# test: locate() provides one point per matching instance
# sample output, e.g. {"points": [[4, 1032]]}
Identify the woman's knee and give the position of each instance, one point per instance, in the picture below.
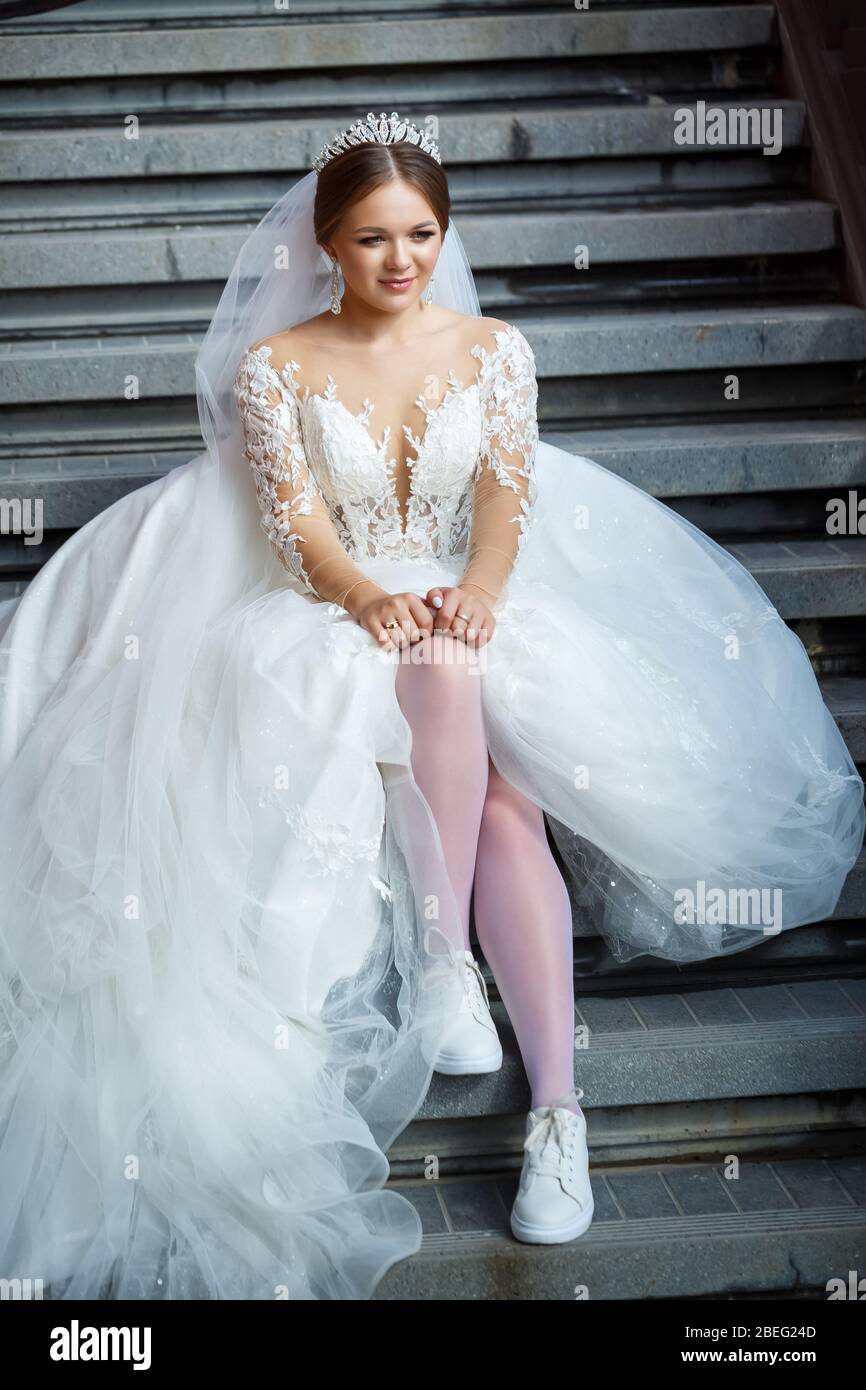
{"points": [[444, 667]]}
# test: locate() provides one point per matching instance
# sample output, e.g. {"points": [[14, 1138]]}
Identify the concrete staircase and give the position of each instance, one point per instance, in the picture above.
{"points": [[556, 132]]}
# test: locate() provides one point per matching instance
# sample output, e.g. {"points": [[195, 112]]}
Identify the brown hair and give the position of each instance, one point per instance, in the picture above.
{"points": [[349, 177]]}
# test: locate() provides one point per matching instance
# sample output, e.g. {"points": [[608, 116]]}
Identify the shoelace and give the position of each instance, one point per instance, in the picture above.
{"points": [[450, 953], [473, 973], [552, 1126]]}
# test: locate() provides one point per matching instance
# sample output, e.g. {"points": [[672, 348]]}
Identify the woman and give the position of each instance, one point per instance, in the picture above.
{"points": [[248, 790]]}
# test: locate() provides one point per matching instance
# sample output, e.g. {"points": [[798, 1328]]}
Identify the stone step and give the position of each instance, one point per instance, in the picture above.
{"points": [[402, 86], [674, 1084], [719, 339], [659, 1231], [160, 255], [815, 579], [480, 136], [834, 949], [97, 101], [67, 312], [414, 41], [717, 459], [505, 185], [668, 462], [846, 699], [88, 15], [804, 1037]]}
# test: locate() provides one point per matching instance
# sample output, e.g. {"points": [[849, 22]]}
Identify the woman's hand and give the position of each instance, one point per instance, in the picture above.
{"points": [[477, 624], [407, 613]]}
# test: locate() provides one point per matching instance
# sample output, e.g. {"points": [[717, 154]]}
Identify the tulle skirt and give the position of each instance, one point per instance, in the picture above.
{"points": [[228, 955]]}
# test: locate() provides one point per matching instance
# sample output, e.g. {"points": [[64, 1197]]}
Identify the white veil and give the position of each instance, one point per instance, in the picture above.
{"points": [[142, 1095]]}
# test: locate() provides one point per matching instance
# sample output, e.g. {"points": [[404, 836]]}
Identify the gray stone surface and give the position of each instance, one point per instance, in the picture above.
{"points": [[719, 458], [625, 1254], [637, 1057], [728, 340], [809, 578], [93, 14], [584, 132], [467, 39], [158, 255], [246, 193]]}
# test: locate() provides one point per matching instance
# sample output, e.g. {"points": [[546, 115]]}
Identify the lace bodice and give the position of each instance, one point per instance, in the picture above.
{"points": [[326, 487]]}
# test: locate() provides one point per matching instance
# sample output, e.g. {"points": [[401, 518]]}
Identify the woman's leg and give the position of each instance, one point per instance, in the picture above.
{"points": [[524, 927], [441, 700]]}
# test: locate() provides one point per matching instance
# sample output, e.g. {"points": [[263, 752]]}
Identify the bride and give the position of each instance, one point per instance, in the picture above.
{"points": [[249, 789]]}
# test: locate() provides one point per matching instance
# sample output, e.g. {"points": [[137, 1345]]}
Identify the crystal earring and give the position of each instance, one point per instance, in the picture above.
{"points": [[336, 306], [428, 297]]}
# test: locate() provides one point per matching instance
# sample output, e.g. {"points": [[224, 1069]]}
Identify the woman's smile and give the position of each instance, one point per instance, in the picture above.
{"points": [[398, 284]]}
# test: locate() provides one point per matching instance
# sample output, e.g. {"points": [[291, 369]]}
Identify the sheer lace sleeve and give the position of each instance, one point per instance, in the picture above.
{"points": [[504, 488], [295, 517]]}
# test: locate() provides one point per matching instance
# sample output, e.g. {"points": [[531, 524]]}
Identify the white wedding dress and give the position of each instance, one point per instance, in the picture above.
{"points": [[222, 979]]}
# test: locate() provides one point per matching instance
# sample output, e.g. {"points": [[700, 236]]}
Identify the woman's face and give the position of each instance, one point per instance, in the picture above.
{"points": [[387, 245]]}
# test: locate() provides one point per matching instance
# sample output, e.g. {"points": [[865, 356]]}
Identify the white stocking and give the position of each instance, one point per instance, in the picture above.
{"points": [[524, 927]]}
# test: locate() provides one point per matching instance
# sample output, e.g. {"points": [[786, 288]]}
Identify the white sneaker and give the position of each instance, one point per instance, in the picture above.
{"points": [[554, 1201], [471, 1044]]}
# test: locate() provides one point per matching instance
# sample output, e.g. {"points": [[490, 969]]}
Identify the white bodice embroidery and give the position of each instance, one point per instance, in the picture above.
{"points": [[332, 464]]}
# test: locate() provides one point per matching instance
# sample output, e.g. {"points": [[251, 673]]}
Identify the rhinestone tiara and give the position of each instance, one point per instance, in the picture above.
{"points": [[386, 130]]}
